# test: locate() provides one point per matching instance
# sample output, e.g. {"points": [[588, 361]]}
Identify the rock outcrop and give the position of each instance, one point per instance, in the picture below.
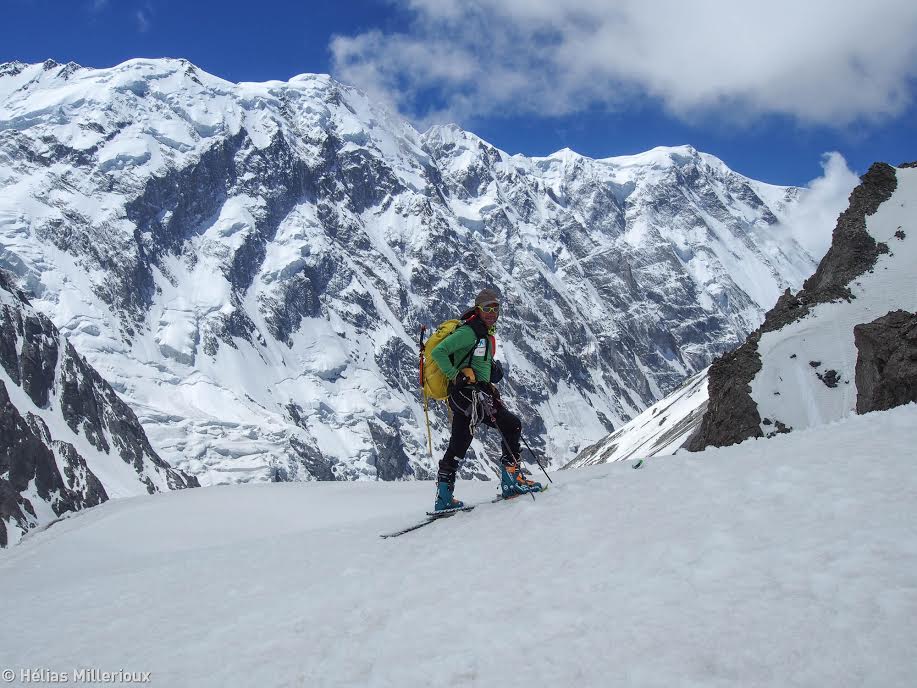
{"points": [[886, 369]]}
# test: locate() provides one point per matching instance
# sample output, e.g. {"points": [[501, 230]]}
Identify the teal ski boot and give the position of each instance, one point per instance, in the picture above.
{"points": [[513, 482], [444, 499]]}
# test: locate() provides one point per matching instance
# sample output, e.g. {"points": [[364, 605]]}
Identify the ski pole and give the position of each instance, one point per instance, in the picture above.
{"points": [[536, 459], [423, 390]]}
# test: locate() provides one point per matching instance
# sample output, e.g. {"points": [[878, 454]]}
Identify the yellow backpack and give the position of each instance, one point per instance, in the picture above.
{"points": [[433, 381]]}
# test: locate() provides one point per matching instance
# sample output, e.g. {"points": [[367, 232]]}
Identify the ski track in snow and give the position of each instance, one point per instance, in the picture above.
{"points": [[782, 562]]}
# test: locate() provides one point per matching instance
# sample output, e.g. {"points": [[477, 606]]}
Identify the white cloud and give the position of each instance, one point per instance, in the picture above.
{"points": [[143, 21], [813, 219], [820, 61]]}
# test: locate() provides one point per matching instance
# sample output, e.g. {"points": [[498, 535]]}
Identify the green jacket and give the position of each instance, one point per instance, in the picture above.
{"points": [[454, 349]]}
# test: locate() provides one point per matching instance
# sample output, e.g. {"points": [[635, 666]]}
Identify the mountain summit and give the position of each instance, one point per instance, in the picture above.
{"points": [[249, 264]]}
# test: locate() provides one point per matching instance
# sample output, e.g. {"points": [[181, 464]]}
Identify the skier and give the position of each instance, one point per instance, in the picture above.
{"points": [[474, 399]]}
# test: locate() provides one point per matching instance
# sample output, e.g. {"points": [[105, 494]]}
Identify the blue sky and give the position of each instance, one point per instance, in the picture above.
{"points": [[768, 89]]}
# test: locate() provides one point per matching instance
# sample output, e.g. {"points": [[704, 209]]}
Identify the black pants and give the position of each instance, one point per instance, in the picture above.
{"points": [[489, 411]]}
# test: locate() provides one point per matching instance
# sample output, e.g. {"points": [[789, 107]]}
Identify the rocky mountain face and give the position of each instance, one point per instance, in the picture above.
{"points": [[67, 441], [822, 353], [249, 264]]}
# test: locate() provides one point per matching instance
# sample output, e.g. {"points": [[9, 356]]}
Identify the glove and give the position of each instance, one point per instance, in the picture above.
{"points": [[465, 377], [496, 371]]}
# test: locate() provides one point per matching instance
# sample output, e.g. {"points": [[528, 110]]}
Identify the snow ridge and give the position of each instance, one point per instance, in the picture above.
{"points": [[808, 367]]}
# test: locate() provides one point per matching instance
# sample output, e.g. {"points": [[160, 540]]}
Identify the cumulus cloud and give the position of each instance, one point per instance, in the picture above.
{"points": [[813, 219], [819, 61]]}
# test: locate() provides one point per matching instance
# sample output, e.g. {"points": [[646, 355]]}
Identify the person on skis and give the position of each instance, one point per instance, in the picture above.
{"points": [[467, 359]]}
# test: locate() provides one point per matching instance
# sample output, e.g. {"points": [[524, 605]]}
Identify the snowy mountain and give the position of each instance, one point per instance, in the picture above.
{"points": [[67, 441], [249, 265], [846, 343], [789, 561]]}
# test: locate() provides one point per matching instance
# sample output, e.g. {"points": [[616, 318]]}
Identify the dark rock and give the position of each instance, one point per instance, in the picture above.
{"points": [[310, 458], [300, 298], [853, 250], [390, 460], [886, 368], [732, 415], [779, 429], [12, 68], [830, 378], [900, 235], [814, 364], [27, 458], [295, 412]]}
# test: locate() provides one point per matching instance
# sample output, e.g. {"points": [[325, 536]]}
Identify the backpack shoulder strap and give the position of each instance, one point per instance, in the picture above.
{"points": [[480, 331], [478, 326]]}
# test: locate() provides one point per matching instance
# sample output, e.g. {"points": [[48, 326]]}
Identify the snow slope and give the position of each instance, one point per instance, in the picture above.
{"points": [[661, 430], [784, 562]]}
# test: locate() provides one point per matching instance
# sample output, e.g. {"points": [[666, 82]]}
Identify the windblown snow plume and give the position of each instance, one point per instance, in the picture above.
{"points": [[811, 220]]}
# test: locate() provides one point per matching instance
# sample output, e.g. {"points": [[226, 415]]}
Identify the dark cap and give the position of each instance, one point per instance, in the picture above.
{"points": [[487, 296]]}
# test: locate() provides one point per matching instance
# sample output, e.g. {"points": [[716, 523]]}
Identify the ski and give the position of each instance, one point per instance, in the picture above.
{"points": [[502, 498], [638, 464], [449, 512], [432, 517]]}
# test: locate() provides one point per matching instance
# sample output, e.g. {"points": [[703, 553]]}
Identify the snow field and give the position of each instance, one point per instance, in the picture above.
{"points": [[782, 562]]}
